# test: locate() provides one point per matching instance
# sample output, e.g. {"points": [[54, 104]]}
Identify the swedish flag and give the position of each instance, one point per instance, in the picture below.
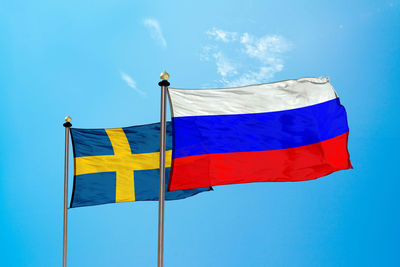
{"points": [[120, 165]]}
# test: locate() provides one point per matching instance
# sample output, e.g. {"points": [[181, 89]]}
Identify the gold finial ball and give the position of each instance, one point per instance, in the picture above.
{"points": [[68, 119], [164, 75]]}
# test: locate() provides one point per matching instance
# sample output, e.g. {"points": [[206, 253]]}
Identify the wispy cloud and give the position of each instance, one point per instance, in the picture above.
{"points": [[221, 35], [155, 31], [264, 48], [131, 83], [224, 66], [254, 77], [242, 58]]}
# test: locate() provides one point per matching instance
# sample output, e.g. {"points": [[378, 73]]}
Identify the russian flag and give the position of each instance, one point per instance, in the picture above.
{"points": [[293, 130]]}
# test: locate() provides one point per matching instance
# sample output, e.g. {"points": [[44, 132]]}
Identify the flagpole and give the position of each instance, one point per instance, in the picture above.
{"points": [[67, 126], [164, 85]]}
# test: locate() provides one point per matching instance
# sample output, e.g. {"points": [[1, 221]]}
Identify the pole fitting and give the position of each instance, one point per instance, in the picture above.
{"points": [[67, 122], [164, 76]]}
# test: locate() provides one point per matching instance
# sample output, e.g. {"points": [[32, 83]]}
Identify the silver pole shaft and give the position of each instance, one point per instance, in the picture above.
{"points": [[65, 195], [162, 178]]}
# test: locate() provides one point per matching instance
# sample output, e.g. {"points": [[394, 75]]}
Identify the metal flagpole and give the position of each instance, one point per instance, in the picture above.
{"points": [[67, 126], [164, 85]]}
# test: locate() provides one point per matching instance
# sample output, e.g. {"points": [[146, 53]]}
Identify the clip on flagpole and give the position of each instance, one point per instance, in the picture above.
{"points": [[164, 85], [67, 126]]}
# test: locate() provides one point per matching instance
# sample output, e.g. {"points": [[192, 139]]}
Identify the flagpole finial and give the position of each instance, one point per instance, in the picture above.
{"points": [[164, 75], [68, 120]]}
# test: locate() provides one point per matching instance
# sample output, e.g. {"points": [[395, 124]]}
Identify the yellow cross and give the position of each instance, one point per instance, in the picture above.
{"points": [[123, 162]]}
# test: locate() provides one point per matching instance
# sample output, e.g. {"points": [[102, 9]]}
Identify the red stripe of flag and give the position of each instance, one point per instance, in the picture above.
{"points": [[283, 165]]}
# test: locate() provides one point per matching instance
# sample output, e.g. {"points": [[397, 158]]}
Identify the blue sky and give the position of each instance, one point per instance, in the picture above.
{"points": [[99, 62]]}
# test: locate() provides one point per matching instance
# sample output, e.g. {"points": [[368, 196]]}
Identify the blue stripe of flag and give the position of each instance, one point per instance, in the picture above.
{"points": [[197, 135], [141, 139]]}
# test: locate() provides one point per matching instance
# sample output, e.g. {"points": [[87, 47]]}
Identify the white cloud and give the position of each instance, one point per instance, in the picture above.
{"points": [[221, 35], [264, 48], [224, 66], [245, 60], [131, 83], [155, 31], [205, 53], [254, 77]]}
